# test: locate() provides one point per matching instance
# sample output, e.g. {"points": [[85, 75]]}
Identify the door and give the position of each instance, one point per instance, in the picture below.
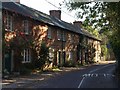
{"points": [[64, 55], [58, 58], [9, 60]]}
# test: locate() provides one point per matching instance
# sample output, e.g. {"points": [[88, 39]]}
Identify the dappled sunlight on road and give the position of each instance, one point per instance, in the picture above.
{"points": [[107, 62], [47, 74], [6, 82], [32, 79]]}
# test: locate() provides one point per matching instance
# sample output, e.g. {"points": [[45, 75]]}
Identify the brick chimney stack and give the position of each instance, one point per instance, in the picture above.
{"points": [[17, 1], [55, 13], [78, 24]]}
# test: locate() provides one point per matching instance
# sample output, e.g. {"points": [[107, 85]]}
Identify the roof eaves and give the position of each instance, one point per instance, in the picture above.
{"points": [[40, 16]]}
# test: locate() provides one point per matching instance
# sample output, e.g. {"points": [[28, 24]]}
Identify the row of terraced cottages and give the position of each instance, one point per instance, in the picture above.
{"points": [[66, 42]]}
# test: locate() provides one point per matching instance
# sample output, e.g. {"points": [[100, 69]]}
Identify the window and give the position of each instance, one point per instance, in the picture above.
{"points": [[9, 22], [49, 33], [70, 55], [27, 56], [58, 35], [51, 54], [25, 26], [64, 36], [71, 38]]}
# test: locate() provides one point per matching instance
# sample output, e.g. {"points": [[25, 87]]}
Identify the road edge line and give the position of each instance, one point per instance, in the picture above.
{"points": [[81, 82]]}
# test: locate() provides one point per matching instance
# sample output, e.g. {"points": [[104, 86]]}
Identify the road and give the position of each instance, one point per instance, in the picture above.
{"points": [[96, 76]]}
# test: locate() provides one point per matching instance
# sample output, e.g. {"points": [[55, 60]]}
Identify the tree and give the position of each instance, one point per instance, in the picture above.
{"points": [[43, 56], [104, 16], [92, 31]]}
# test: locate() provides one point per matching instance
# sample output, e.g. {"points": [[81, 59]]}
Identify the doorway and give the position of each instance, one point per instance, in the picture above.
{"points": [[9, 60]]}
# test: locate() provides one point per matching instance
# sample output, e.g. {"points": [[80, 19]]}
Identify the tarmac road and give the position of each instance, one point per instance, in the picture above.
{"points": [[97, 76]]}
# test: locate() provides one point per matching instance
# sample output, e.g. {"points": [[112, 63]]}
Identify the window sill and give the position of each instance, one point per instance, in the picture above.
{"points": [[49, 37], [9, 30], [26, 62], [26, 33], [64, 40]]}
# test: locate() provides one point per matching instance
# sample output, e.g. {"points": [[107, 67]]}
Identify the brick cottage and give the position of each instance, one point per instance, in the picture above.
{"points": [[66, 41]]}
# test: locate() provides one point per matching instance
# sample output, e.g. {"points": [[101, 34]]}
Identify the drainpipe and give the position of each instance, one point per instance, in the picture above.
{"points": [[1, 39], [62, 54]]}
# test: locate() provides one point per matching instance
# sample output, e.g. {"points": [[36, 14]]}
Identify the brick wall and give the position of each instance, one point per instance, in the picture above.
{"points": [[39, 30], [61, 50]]}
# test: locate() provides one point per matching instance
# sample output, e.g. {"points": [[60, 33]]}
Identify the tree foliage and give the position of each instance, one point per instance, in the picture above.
{"points": [[92, 31], [104, 16], [97, 14], [43, 56]]}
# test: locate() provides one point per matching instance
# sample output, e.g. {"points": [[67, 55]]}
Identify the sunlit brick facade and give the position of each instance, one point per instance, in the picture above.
{"points": [[63, 44]]}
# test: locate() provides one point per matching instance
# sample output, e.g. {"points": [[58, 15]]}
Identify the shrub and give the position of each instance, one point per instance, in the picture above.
{"points": [[43, 57], [69, 64], [78, 64]]}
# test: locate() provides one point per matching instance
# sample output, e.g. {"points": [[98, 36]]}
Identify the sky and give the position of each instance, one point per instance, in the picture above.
{"points": [[44, 6]]}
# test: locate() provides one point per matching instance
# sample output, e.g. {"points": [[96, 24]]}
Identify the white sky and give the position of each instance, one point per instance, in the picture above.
{"points": [[44, 6]]}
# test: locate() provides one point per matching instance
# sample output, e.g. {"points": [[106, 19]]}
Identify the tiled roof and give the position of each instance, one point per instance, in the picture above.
{"points": [[40, 16]]}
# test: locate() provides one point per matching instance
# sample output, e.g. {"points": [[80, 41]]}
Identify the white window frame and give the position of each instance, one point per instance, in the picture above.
{"points": [[58, 35], [71, 38], [51, 55], [26, 26], [26, 56], [9, 22], [70, 55], [49, 33]]}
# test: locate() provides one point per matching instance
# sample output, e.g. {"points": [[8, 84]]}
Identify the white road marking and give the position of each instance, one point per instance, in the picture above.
{"points": [[90, 73], [113, 75], [86, 75], [96, 75], [81, 82], [104, 75]]}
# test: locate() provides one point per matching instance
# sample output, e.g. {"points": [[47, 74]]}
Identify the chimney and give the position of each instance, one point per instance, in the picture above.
{"points": [[55, 13], [78, 24], [17, 1]]}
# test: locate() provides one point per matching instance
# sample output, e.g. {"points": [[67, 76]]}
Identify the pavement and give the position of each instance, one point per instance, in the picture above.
{"points": [[14, 81], [23, 81]]}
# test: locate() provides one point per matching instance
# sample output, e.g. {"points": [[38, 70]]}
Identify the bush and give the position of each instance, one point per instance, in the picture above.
{"points": [[69, 64], [78, 64], [92, 61], [43, 57]]}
